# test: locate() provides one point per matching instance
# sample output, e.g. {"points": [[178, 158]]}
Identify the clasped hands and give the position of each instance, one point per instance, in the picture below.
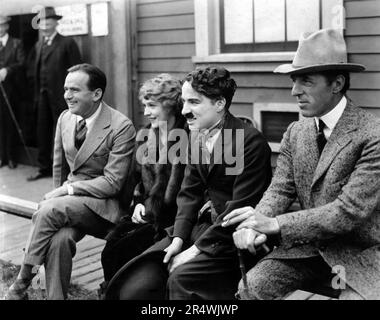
{"points": [[253, 228]]}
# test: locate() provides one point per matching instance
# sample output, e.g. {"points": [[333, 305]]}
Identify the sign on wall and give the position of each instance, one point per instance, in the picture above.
{"points": [[99, 19], [74, 20]]}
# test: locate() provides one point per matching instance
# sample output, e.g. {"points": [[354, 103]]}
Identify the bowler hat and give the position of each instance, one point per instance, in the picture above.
{"points": [[4, 19], [320, 51], [48, 12]]}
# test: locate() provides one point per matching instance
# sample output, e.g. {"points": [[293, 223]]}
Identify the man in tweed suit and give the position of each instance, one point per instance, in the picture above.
{"points": [[330, 161]]}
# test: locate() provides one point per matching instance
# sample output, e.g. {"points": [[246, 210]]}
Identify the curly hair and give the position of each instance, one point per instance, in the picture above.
{"points": [[163, 88], [213, 82]]}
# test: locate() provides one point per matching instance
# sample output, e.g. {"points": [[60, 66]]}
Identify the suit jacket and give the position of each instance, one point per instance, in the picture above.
{"points": [[14, 57], [62, 54], [339, 196], [99, 169], [227, 192]]}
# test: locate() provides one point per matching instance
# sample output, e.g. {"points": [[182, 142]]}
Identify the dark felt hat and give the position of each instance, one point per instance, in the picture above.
{"points": [[48, 12], [142, 278]]}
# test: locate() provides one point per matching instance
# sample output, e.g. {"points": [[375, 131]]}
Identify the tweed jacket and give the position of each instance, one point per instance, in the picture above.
{"points": [[62, 54], [98, 170], [226, 191], [339, 194]]}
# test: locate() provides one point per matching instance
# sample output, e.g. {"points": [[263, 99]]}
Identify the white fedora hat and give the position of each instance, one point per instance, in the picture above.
{"points": [[320, 51]]}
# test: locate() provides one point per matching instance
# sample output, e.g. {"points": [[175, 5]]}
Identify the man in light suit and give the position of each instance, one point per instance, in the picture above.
{"points": [[198, 253], [54, 55], [92, 155], [330, 161], [11, 60]]}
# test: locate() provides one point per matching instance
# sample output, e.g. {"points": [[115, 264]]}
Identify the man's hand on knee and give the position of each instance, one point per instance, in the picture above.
{"points": [[249, 239], [183, 257], [174, 248], [59, 192]]}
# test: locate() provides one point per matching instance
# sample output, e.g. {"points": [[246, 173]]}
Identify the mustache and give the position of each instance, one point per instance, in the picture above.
{"points": [[189, 115]]}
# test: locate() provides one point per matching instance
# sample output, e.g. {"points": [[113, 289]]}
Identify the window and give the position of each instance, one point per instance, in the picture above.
{"points": [[273, 118], [275, 25]]}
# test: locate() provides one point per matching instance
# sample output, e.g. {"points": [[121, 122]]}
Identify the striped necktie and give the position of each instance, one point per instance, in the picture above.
{"points": [[80, 134]]}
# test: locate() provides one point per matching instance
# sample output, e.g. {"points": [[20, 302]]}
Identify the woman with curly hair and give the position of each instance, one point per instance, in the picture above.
{"points": [[153, 183]]}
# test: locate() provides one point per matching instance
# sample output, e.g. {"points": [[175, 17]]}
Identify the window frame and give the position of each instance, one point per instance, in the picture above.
{"points": [[258, 47]]}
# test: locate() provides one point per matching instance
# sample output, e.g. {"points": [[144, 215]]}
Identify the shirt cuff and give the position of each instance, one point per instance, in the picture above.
{"points": [[70, 189]]}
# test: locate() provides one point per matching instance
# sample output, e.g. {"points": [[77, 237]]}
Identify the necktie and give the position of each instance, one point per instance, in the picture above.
{"points": [[321, 139], [80, 134]]}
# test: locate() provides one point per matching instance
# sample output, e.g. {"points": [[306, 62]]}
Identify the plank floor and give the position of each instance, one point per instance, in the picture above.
{"points": [[87, 269]]}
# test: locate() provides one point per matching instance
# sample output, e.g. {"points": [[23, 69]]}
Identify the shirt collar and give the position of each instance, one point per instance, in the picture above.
{"points": [[331, 119], [4, 39], [90, 120], [51, 37]]}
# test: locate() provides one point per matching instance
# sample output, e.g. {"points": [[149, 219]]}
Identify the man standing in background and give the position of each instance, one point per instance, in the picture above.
{"points": [[11, 60], [55, 54]]}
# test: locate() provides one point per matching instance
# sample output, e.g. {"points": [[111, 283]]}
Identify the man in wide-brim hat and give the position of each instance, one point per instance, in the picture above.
{"points": [[330, 161]]}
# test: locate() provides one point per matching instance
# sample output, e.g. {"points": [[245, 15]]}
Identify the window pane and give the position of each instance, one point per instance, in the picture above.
{"points": [[238, 21], [274, 124], [302, 16], [332, 14], [269, 20]]}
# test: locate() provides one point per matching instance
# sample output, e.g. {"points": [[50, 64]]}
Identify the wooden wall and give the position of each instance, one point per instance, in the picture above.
{"points": [[166, 40], [166, 43], [362, 36]]}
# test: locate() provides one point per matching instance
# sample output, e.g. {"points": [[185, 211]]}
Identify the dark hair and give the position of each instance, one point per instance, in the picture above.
{"points": [[165, 89], [331, 76], [97, 79], [213, 82]]}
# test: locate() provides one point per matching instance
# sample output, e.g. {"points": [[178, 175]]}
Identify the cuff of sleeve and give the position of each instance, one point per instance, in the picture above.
{"points": [[70, 189]]}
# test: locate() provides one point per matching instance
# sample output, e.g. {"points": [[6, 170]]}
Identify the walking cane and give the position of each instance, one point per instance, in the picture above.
{"points": [[242, 267], [15, 122]]}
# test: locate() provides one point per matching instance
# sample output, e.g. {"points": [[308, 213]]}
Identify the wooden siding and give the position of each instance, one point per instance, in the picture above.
{"points": [[166, 40], [166, 43], [362, 36]]}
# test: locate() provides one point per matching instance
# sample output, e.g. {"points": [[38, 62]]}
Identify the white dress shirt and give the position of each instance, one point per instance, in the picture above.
{"points": [[50, 38], [331, 119], [91, 120]]}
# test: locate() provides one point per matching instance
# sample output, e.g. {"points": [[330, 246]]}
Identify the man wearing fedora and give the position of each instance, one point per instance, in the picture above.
{"points": [[330, 161], [54, 55], [11, 60]]}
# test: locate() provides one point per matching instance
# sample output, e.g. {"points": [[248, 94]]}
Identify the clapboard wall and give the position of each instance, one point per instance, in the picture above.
{"points": [[166, 40], [166, 43], [362, 36]]}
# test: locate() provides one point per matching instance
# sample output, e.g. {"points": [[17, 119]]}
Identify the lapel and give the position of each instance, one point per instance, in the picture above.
{"points": [[53, 46], [38, 51], [309, 157], [8, 49], [220, 144], [101, 128], [68, 135], [339, 138]]}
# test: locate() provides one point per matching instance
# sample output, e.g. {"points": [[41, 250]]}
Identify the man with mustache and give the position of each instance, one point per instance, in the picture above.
{"points": [[198, 260], [330, 161]]}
